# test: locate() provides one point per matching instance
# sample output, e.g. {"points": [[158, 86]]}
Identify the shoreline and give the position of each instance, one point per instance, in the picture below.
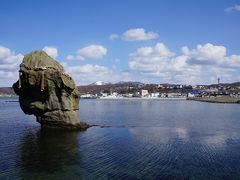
{"points": [[143, 98], [8, 96], [124, 98], [226, 100]]}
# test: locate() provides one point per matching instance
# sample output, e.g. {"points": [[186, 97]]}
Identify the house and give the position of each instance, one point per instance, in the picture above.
{"points": [[154, 94], [144, 93]]}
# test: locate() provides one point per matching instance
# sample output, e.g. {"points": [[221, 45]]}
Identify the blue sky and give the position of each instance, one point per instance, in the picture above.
{"points": [[188, 41]]}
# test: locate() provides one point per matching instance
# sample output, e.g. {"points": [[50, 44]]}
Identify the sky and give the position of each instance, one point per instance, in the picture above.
{"points": [[151, 41]]}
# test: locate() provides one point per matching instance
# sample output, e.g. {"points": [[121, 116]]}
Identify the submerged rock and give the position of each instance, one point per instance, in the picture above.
{"points": [[47, 92]]}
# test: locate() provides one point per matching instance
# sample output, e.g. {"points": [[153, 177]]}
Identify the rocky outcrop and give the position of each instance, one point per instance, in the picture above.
{"points": [[47, 92]]}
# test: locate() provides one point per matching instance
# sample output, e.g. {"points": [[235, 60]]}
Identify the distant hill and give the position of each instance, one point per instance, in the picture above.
{"points": [[7, 90], [129, 83], [120, 87], [234, 84]]}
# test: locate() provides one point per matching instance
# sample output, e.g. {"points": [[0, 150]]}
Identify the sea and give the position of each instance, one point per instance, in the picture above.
{"points": [[134, 139]]}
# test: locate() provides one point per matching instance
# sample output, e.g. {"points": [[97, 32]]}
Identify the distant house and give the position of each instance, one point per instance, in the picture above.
{"points": [[101, 94], [144, 93], [179, 86], [114, 94], [87, 96], [104, 94], [154, 94], [129, 95]]}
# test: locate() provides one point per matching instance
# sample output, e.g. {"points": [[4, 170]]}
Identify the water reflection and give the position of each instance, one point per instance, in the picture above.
{"points": [[48, 152], [146, 140]]}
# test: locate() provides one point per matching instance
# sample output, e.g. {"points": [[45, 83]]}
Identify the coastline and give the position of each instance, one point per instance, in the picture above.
{"points": [[8, 96], [142, 98], [223, 99]]}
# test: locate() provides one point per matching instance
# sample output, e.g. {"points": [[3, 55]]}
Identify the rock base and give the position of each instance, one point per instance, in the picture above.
{"points": [[62, 120], [65, 127]]}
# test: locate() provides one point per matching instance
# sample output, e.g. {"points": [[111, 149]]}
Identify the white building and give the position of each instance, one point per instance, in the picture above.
{"points": [[144, 93], [154, 94], [86, 96]]}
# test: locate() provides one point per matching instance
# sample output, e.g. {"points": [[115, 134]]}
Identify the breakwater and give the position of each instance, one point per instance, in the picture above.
{"points": [[222, 99]]}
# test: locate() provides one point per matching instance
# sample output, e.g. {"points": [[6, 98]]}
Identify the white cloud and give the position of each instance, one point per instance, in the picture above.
{"points": [[9, 67], [151, 59], [161, 63], [7, 74], [200, 65], [138, 34], [233, 8], [88, 73], [9, 63], [210, 54], [87, 69], [89, 52], [232, 61], [113, 37], [4, 52], [8, 59], [205, 54], [51, 51]]}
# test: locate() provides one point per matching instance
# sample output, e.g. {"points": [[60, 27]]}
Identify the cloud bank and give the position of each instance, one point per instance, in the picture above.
{"points": [[88, 73], [202, 64], [199, 65], [9, 62]]}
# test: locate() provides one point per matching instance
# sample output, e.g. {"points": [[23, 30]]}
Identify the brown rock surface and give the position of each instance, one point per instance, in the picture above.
{"points": [[47, 92]]}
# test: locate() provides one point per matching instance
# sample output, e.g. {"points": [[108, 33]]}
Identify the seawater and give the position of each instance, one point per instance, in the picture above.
{"points": [[144, 139]]}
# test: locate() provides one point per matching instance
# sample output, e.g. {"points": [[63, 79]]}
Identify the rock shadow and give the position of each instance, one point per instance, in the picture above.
{"points": [[48, 152]]}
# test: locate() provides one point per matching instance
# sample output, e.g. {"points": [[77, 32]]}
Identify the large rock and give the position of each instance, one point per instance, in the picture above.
{"points": [[47, 92]]}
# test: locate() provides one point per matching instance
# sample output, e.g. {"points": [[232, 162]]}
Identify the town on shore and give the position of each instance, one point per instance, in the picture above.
{"points": [[156, 91], [130, 90]]}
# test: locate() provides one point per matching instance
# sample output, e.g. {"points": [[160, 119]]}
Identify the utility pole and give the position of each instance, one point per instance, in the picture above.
{"points": [[218, 81]]}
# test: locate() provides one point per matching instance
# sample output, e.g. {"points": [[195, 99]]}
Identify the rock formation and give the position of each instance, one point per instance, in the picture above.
{"points": [[47, 92]]}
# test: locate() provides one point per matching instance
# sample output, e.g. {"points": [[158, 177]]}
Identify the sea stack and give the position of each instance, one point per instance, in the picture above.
{"points": [[47, 92]]}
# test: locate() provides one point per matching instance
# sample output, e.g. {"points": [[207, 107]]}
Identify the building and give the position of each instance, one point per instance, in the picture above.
{"points": [[154, 94], [144, 93], [87, 96]]}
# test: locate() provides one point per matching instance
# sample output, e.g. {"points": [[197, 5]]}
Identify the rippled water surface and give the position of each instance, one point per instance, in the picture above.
{"points": [[146, 140]]}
